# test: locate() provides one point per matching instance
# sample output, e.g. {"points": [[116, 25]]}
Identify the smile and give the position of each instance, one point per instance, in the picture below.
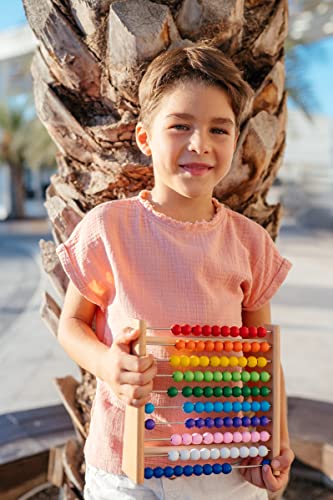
{"points": [[196, 168]]}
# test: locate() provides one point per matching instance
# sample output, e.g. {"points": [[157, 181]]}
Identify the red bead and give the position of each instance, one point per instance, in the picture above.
{"points": [[186, 329], [234, 331], [225, 331], [206, 330], [216, 331], [252, 332], [176, 330], [244, 332], [196, 330], [262, 331]]}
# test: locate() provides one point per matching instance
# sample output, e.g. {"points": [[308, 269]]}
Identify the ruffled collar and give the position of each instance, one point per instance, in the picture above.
{"points": [[144, 198]]}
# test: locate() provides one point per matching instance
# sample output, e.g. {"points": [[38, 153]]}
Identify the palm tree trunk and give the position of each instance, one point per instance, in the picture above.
{"points": [[17, 189]]}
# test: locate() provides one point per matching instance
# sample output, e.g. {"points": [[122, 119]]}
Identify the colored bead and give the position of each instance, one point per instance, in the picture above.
{"points": [[218, 422], [246, 436], [227, 407], [265, 347], [227, 391], [255, 406], [216, 331], [252, 332], [246, 421], [208, 376], [255, 347], [252, 361], [217, 468], [226, 468], [261, 332], [219, 346], [237, 406], [237, 421], [255, 421], [228, 422], [207, 469], [178, 470], [198, 376], [196, 438], [197, 392], [238, 437], [242, 361], [233, 361], [178, 376], [189, 423], [186, 438], [238, 346], [174, 360], [218, 406], [244, 452], [184, 454], [210, 346], [196, 330], [253, 451], [234, 452], [197, 469], [246, 347], [208, 392], [262, 450], [246, 406], [149, 408], [209, 422], [195, 454], [204, 454], [194, 361], [158, 472], [214, 454], [218, 392], [208, 438], [190, 345], [176, 330], [199, 423], [209, 407], [206, 330], [148, 472], [188, 407], [184, 361], [204, 361], [255, 437], [225, 331], [246, 376], [168, 471], [227, 376], [176, 439], [186, 329], [224, 361], [188, 376], [149, 424], [265, 376], [187, 391], [264, 436], [228, 346], [217, 376], [215, 361], [218, 437], [180, 345], [262, 362], [244, 332], [255, 391], [265, 406], [234, 331], [172, 392], [255, 376], [200, 346], [236, 376], [225, 452], [188, 470], [199, 407], [266, 461], [246, 391], [227, 437]]}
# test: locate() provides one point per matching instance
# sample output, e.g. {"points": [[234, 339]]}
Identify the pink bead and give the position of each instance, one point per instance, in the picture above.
{"points": [[176, 439], [246, 436], [264, 436], [255, 437], [196, 438], [238, 438], [187, 438], [228, 437], [208, 438], [218, 437]]}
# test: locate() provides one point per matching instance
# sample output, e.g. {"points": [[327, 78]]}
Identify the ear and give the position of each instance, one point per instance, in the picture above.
{"points": [[142, 139]]}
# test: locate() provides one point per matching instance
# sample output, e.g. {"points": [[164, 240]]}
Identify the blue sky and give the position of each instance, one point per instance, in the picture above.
{"points": [[318, 68]]}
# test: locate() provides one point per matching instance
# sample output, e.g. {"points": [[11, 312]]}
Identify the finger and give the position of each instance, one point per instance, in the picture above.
{"points": [[137, 364], [126, 337], [138, 378], [138, 392], [273, 483], [283, 461]]}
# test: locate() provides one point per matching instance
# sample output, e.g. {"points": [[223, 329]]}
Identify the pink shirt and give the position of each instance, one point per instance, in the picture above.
{"points": [[136, 263]]}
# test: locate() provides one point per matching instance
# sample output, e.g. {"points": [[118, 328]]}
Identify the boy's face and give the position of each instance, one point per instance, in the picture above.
{"points": [[192, 138]]}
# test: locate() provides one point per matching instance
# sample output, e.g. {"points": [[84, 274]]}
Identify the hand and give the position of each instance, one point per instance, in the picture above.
{"points": [[263, 476], [130, 376]]}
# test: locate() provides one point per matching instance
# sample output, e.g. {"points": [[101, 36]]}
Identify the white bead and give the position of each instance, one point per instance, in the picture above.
{"points": [[225, 452], [234, 452], [214, 453], [195, 454], [244, 452], [253, 451], [204, 453], [173, 455], [263, 451], [184, 454]]}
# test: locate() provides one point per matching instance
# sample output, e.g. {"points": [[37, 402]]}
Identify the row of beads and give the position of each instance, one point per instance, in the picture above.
{"points": [[218, 406], [219, 437], [218, 422], [209, 376], [216, 453], [218, 346], [216, 331], [217, 392], [215, 361]]}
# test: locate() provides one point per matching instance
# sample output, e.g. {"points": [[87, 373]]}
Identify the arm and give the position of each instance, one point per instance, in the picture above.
{"points": [[130, 377]]}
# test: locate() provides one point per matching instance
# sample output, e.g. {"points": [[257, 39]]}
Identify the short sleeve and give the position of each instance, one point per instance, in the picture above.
{"points": [[84, 259], [268, 270]]}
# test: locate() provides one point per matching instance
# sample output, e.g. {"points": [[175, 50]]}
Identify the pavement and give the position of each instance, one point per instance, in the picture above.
{"points": [[30, 357]]}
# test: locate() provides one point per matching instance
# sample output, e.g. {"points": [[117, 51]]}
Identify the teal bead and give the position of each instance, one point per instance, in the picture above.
{"points": [[227, 376], [265, 391], [208, 392], [177, 376], [236, 391], [217, 376], [227, 392], [218, 392], [187, 391], [255, 391], [246, 391], [208, 376], [197, 392], [188, 376], [236, 376], [172, 392], [198, 376]]}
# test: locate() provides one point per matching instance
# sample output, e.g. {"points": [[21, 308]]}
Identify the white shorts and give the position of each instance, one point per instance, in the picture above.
{"points": [[101, 485]]}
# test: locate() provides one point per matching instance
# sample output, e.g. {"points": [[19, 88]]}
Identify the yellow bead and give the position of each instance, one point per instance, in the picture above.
{"points": [[204, 360], [215, 361], [252, 361], [262, 362], [194, 361], [233, 361], [184, 361], [242, 361], [224, 361], [174, 360]]}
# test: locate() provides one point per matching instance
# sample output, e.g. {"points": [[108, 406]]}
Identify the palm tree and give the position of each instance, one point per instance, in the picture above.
{"points": [[86, 74]]}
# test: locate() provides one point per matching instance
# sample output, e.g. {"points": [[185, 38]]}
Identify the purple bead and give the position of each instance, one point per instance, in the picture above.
{"points": [[218, 422], [228, 421], [189, 423], [255, 421], [264, 420], [246, 421], [209, 422], [149, 424], [199, 422], [237, 421]]}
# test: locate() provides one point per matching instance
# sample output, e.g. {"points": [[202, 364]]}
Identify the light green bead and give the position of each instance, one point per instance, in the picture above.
{"points": [[227, 376], [189, 376], [265, 376], [255, 376], [246, 377], [177, 376], [218, 377], [208, 376], [198, 376], [236, 376]]}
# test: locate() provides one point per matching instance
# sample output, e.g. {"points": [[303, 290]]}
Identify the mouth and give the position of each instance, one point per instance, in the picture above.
{"points": [[196, 168]]}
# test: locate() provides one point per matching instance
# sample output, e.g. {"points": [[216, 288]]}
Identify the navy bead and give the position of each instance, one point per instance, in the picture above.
{"points": [[255, 421], [266, 461], [209, 422], [197, 470], [149, 473], [158, 472], [246, 421], [188, 470], [189, 423], [237, 422], [199, 422], [218, 422], [264, 420], [168, 471], [207, 469], [226, 468], [217, 468], [228, 421], [178, 470], [149, 424]]}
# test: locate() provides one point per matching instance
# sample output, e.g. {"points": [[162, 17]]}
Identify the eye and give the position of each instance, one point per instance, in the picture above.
{"points": [[219, 131], [180, 126]]}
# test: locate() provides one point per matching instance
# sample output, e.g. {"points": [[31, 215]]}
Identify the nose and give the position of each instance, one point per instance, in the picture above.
{"points": [[199, 142]]}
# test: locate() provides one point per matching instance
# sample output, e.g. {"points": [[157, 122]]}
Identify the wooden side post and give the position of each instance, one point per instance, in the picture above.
{"points": [[276, 373]]}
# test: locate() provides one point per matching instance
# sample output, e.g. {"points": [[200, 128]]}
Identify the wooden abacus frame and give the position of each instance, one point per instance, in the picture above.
{"points": [[134, 429]]}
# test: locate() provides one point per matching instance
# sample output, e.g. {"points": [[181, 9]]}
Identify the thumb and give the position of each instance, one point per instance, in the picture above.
{"points": [[127, 336]]}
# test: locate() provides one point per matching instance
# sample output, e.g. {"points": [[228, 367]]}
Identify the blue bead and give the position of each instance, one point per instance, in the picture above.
{"points": [[265, 461], [199, 407], [218, 406], [246, 421], [168, 471], [228, 421], [189, 423], [149, 473], [199, 422], [149, 424], [209, 422], [218, 422], [217, 468], [227, 406], [197, 469], [209, 407], [265, 406], [226, 468], [255, 406], [149, 408], [178, 470], [264, 420], [188, 407], [158, 472], [188, 470], [237, 422], [237, 406], [207, 469], [246, 406], [255, 421]]}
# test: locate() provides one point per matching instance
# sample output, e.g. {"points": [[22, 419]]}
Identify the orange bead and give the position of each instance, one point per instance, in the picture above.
{"points": [[255, 347], [200, 346], [246, 347], [209, 346], [238, 346], [218, 346], [265, 347], [228, 346], [180, 345], [190, 345]]}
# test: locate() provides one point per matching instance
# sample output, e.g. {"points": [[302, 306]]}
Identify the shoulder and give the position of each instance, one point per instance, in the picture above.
{"points": [[108, 211], [247, 228]]}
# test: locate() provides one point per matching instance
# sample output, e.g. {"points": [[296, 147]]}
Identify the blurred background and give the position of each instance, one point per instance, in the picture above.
{"points": [[30, 357]]}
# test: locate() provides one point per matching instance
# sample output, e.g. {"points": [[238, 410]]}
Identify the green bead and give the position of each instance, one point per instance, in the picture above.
{"points": [[264, 391], [208, 392], [189, 376], [236, 391], [208, 376], [217, 376], [246, 377], [187, 391], [255, 377], [172, 392], [197, 392], [227, 392], [255, 391], [236, 376], [177, 376], [246, 391], [218, 391], [227, 376], [198, 376], [265, 376]]}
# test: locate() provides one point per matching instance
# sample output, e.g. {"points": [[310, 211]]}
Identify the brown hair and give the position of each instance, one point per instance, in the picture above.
{"points": [[200, 63]]}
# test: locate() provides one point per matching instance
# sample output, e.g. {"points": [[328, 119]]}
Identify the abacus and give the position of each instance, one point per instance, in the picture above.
{"points": [[243, 365]]}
